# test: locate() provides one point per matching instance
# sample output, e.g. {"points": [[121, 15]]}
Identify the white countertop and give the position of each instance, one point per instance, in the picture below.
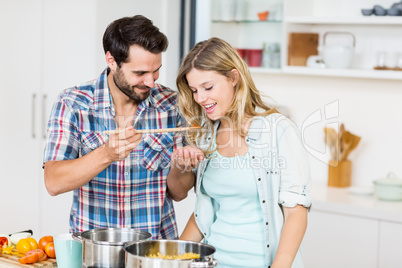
{"points": [[342, 201]]}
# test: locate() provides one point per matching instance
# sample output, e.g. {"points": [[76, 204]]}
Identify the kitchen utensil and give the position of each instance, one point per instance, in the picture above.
{"points": [[137, 252], [301, 46], [68, 251], [338, 54], [254, 57], [339, 173], [331, 139], [389, 188], [350, 143], [315, 61], [146, 131], [263, 15], [367, 11], [104, 247], [379, 10]]}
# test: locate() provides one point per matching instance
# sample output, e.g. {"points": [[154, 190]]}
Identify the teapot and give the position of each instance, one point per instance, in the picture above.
{"points": [[338, 55]]}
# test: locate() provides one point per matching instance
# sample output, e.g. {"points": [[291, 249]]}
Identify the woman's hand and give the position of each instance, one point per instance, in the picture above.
{"points": [[181, 178], [187, 158]]}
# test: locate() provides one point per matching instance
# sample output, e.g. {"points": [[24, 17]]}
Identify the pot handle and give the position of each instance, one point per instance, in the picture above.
{"points": [[335, 32], [77, 236], [202, 264]]}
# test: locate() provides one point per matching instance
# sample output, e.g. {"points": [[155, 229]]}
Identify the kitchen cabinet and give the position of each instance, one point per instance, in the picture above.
{"points": [[37, 63], [349, 230], [390, 245], [336, 240], [374, 34]]}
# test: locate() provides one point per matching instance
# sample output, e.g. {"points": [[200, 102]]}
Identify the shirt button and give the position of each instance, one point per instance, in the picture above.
{"points": [[263, 201], [209, 138], [267, 246], [126, 173], [266, 223], [247, 140], [253, 157], [259, 179], [196, 215]]}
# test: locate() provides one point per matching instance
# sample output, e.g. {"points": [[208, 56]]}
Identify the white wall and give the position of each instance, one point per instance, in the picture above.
{"points": [[369, 108]]}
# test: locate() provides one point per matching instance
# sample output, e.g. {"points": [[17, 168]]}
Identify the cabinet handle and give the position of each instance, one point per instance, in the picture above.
{"points": [[33, 116], [44, 116]]}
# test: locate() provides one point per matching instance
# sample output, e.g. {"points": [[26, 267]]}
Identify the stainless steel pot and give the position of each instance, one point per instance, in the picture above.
{"points": [[104, 248], [137, 252]]}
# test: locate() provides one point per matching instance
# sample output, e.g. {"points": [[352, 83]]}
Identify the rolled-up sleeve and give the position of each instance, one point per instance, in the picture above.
{"points": [[62, 140], [295, 178]]}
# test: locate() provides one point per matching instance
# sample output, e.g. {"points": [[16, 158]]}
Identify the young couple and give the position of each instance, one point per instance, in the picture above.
{"points": [[247, 163]]}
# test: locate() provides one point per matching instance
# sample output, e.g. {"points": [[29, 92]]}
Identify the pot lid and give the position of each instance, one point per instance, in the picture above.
{"points": [[391, 179]]}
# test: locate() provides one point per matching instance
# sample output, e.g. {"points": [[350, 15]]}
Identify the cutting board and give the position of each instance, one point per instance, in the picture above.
{"points": [[11, 261], [300, 47]]}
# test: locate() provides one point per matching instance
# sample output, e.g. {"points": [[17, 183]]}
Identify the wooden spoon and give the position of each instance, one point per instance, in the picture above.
{"points": [[352, 144], [331, 139]]}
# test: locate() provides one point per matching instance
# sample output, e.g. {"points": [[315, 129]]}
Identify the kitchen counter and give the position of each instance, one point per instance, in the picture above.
{"points": [[342, 201]]}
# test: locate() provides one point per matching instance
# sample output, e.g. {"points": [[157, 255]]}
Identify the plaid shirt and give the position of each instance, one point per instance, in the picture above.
{"points": [[128, 193]]}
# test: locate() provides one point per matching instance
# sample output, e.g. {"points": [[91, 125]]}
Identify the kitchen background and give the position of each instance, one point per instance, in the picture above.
{"points": [[49, 45]]}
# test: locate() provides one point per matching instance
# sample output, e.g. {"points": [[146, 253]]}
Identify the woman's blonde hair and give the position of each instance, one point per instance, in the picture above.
{"points": [[219, 56]]}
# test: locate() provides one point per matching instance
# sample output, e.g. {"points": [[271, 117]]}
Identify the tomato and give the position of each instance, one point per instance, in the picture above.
{"points": [[3, 242], [33, 242], [41, 254], [50, 251], [24, 245], [44, 240], [29, 259]]}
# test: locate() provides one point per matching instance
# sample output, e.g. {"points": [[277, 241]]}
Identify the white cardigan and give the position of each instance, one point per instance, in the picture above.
{"points": [[282, 174]]}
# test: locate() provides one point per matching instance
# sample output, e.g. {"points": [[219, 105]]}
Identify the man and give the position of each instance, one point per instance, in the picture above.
{"points": [[119, 180]]}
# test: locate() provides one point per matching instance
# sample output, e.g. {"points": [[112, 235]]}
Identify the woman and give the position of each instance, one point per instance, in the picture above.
{"points": [[252, 187]]}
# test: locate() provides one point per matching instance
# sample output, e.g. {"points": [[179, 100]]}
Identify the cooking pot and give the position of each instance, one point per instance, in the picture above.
{"points": [[338, 55], [137, 254], [389, 188], [104, 247]]}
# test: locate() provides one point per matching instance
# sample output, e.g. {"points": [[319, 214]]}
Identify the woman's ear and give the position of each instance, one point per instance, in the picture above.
{"points": [[235, 76]]}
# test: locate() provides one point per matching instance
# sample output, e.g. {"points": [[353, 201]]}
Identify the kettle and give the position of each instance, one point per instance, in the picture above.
{"points": [[338, 55]]}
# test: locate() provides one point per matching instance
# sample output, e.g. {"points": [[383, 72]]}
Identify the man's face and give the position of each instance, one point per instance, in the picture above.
{"points": [[135, 77]]}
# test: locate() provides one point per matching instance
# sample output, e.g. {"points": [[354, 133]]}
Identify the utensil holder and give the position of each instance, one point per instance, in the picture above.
{"points": [[339, 173]]}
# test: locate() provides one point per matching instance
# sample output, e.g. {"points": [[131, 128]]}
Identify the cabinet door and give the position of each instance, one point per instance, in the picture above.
{"points": [[390, 245], [334, 240], [20, 75], [70, 42]]}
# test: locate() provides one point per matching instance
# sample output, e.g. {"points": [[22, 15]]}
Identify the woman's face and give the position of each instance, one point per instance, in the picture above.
{"points": [[213, 91]]}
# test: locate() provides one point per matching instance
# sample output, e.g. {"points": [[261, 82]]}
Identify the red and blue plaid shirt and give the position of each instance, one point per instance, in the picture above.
{"points": [[128, 193]]}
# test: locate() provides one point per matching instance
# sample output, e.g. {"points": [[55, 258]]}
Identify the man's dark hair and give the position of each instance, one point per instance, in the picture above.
{"points": [[127, 31]]}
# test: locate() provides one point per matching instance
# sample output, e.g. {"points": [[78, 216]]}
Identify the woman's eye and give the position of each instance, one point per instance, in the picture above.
{"points": [[194, 91], [208, 88]]}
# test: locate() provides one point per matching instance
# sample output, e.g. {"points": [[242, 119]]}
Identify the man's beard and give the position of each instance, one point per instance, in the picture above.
{"points": [[128, 90]]}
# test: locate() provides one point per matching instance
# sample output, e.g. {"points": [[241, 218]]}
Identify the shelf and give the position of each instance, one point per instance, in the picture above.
{"points": [[352, 73], [246, 21], [262, 70], [347, 73], [363, 20]]}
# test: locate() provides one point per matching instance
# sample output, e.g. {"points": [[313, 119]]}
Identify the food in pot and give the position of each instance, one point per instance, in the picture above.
{"points": [[185, 256]]}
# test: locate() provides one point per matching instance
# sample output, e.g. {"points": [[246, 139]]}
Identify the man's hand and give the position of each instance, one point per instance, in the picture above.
{"points": [[187, 158], [120, 145]]}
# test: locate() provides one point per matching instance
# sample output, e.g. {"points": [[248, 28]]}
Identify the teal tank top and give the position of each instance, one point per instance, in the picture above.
{"points": [[237, 234]]}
